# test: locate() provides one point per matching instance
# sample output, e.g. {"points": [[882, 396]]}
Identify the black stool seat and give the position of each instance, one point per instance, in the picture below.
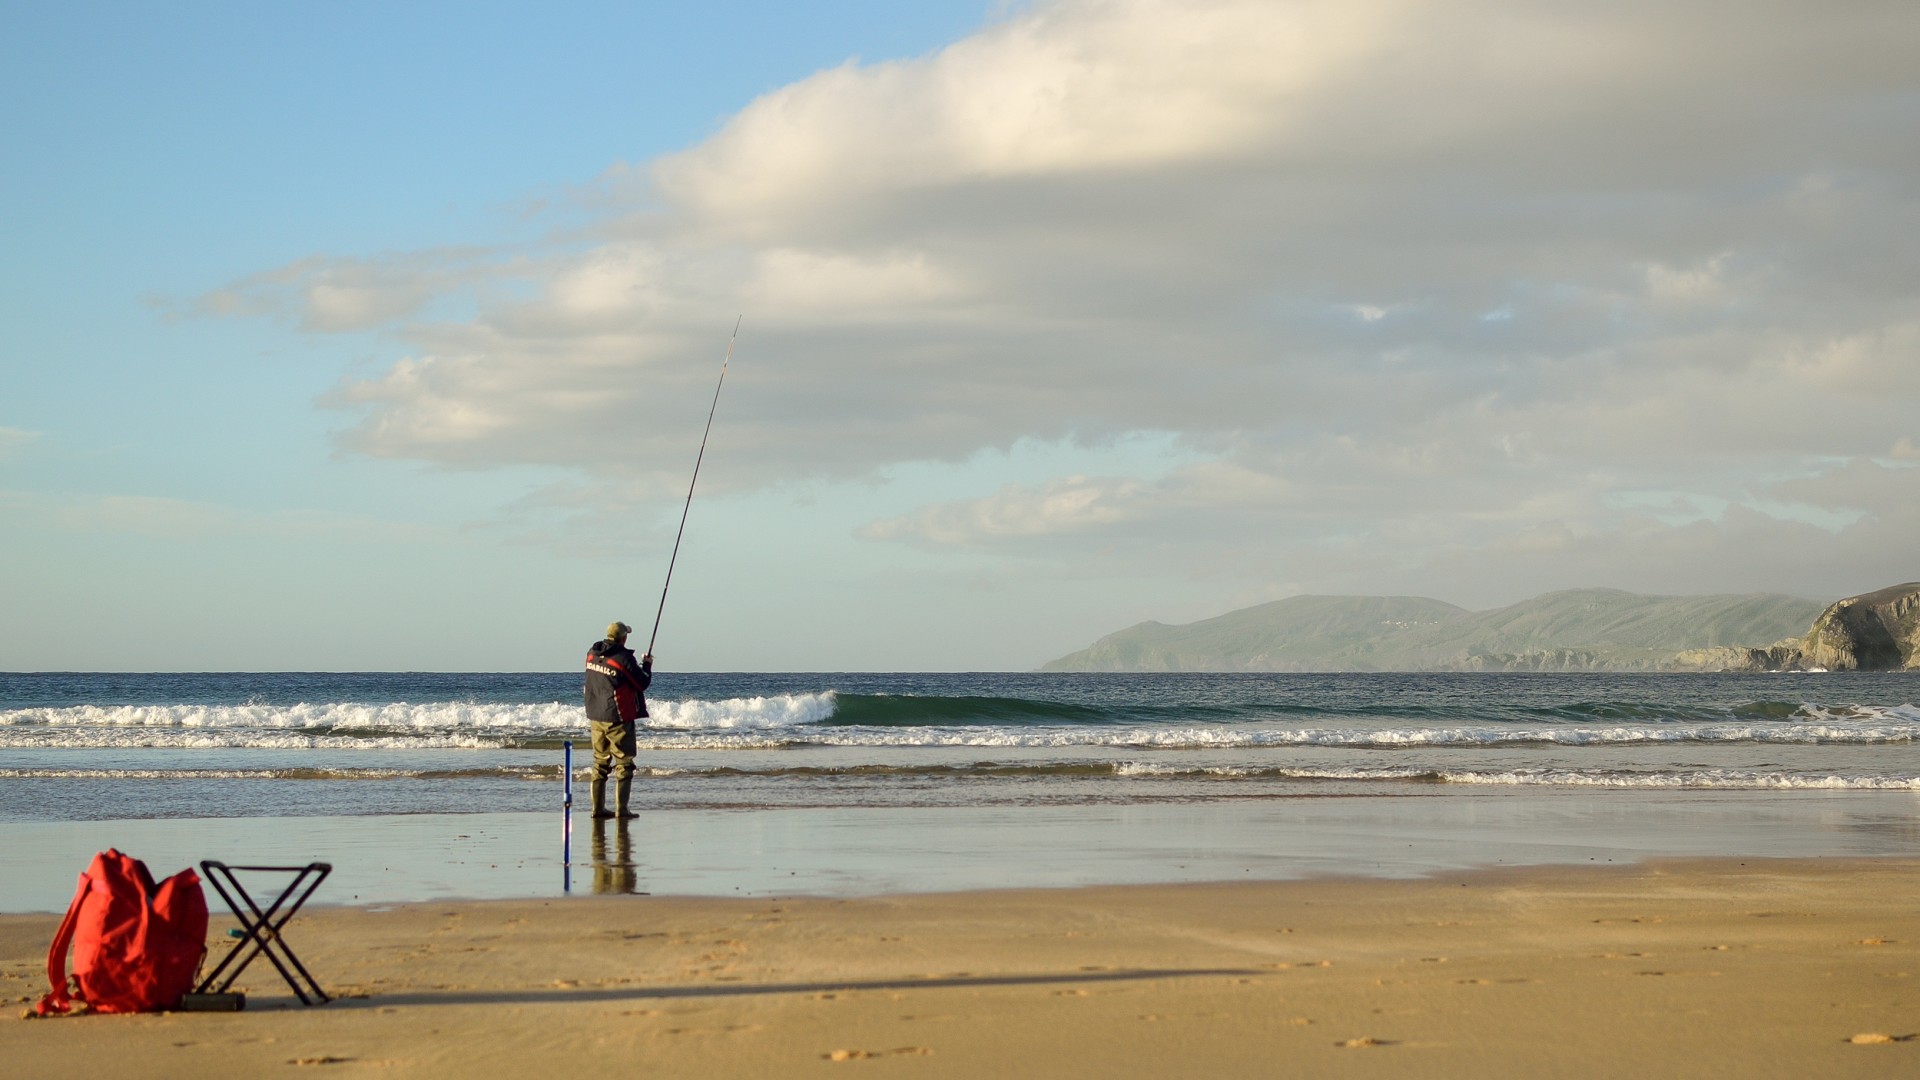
{"points": [[260, 930]]}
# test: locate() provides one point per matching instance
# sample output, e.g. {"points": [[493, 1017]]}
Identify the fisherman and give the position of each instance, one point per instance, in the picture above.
{"points": [[616, 687]]}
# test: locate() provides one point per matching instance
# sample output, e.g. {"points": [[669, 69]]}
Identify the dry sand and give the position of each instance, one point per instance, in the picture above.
{"points": [[1674, 969]]}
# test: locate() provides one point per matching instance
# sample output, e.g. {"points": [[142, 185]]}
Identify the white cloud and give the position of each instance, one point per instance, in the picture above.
{"points": [[1075, 504], [1061, 90], [1101, 217], [801, 287], [332, 295], [155, 517], [1702, 283]]}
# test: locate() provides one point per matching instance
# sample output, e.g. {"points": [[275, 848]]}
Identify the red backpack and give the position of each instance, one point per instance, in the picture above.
{"points": [[136, 946]]}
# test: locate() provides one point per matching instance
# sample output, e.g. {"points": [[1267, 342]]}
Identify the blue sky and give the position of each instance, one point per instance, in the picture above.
{"points": [[169, 150], [346, 337]]}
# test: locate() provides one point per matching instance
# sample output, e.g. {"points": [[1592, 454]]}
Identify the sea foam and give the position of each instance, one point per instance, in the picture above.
{"points": [[400, 725]]}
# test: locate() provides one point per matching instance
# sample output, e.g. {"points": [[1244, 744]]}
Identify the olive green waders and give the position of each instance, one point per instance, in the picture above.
{"points": [[613, 746]]}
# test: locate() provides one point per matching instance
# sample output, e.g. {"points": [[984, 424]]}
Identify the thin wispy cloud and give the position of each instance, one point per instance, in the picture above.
{"points": [[13, 440], [152, 517]]}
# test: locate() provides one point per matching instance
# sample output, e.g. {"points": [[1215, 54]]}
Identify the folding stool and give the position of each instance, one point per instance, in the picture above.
{"points": [[260, 930]]}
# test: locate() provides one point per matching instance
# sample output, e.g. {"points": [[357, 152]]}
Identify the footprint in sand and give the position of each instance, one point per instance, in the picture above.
{"points": [[862, 1055]]}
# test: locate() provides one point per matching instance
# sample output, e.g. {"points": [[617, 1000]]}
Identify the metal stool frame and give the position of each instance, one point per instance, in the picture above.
{"points": [[262, 928]]}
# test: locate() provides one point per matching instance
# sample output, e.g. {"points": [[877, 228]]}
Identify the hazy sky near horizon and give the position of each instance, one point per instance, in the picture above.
{"points": [[357, 336]]}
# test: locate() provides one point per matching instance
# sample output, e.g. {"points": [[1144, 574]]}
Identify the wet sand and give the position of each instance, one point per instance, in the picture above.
{"points": [[1697, 968], [872, 851]]}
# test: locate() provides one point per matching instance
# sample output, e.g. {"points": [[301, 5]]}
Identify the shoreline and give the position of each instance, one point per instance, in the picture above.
{"points": [[1694, 967]]}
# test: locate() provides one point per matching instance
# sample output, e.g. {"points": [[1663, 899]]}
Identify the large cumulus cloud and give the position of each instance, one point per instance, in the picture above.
{"points": [[1421, 288]]}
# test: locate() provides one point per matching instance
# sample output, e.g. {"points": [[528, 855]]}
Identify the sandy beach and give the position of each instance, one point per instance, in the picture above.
{"points": [[1669, 968]]}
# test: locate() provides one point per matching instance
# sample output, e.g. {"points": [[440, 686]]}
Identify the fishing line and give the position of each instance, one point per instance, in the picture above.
{"points": [[691, 484]]}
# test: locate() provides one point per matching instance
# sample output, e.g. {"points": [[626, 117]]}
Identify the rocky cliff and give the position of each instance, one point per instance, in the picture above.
{"points": [[1876, 631]]}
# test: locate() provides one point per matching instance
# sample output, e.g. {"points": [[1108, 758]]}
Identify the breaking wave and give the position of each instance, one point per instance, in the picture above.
{"points": [[1145, 773], [400, 725], [827, 718]]}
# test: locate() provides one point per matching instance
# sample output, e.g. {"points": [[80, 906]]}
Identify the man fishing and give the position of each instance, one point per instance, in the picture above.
{"points": [[616, 681], [616, 688]]}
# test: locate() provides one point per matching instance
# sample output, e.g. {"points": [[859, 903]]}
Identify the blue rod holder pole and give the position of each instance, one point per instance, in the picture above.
{"points": [[566, 811]]}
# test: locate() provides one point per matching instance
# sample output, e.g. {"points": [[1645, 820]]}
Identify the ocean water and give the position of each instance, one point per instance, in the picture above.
{"points": [[1142, 767], [77, 747]]}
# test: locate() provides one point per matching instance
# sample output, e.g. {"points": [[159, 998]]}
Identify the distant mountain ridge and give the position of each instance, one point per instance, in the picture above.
{"points": [[1572, 630]]}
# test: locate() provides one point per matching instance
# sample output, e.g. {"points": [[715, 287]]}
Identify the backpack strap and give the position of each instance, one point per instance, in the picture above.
{"points": [[59, 1000]]}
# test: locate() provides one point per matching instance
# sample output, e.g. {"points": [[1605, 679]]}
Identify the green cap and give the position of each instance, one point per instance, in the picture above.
{"points": [[618, 630]]}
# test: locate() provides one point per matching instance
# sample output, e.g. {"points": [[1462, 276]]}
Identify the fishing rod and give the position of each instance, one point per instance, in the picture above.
{"points": [[691, 484]]}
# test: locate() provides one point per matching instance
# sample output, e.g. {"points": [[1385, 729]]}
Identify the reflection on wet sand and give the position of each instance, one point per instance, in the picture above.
{"points": [[616, 873]]}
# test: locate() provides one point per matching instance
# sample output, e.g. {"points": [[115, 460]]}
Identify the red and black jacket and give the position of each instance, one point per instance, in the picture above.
{"points": [[616, 682]]}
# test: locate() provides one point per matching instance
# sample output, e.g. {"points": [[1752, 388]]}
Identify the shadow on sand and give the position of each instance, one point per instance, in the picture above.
{"points": [[531, 996]]}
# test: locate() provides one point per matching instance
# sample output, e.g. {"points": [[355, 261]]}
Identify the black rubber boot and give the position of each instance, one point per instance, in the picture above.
{"points": [[622, 787], [600, 797]]}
